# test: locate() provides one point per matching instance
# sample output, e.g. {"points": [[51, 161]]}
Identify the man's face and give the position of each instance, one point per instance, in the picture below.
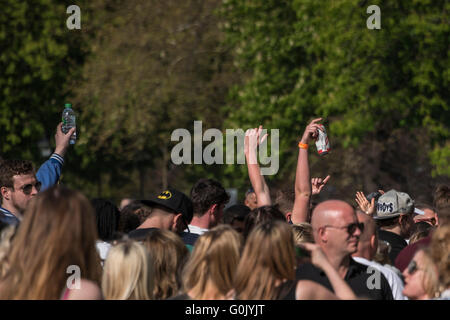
{"points": [[250, 201], [343, 233], [18, 197], [429, 217]]}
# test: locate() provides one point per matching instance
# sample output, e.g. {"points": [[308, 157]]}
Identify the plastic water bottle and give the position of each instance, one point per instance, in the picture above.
{"points": [[69, 121]]}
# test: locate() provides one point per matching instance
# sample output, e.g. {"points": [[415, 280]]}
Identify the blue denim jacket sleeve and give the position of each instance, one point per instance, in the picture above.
{"points": [[50, 171]]}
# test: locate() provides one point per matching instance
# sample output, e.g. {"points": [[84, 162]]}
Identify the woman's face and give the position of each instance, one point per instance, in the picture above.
{"points": [[414, 278]]}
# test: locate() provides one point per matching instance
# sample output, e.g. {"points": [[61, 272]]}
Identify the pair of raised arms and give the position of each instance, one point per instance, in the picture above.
{"points": [[304, 185]]}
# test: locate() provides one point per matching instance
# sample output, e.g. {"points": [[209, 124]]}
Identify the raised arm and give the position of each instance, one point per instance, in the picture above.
{"points": [[302, 177], [251, 142], [50, 171]]}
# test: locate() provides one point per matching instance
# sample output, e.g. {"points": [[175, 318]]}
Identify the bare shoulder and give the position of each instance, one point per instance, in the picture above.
{"points": [[310, 290], [88, 290]]}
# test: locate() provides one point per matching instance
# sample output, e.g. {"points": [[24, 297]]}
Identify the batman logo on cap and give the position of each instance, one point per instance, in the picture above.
{"points": [[165, 195]]}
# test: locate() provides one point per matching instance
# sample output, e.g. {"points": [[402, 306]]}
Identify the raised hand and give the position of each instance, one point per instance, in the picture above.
{"points": [[252, 139], [251, 142], [318, 257], [364, 204], [311, 131], [317, 184], [62, 140]]}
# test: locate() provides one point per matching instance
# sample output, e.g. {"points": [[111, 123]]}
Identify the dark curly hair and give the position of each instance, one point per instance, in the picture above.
{"points": [[11, 168], [205, 193]]}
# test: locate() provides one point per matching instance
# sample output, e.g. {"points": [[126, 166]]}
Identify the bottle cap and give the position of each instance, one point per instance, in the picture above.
{"points": [[68, 105]]}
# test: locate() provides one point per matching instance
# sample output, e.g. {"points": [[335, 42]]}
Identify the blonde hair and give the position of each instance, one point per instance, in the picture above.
{"points": [[430, 281], [58, 230], [303, 232], [169, 254], [6, 237], [128, 272], [213, 263], [267, 260], [440, 253]]}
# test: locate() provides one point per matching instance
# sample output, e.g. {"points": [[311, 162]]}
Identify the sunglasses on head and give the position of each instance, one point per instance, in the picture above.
{"points": [[351, 228], [28, 188]]}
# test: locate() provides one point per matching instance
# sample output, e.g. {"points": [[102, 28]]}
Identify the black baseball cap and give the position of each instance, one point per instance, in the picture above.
{"points": [[175, 201]]}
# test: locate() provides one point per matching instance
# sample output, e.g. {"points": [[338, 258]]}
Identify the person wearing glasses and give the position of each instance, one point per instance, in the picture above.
{"points": [[19, 183], [336, 230], [429, 216], [421, 277]]}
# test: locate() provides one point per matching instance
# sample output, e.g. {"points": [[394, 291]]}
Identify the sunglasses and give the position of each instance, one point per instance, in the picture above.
{"points": [[351, 228], [412, 267], [28, 188], [430, 220]]}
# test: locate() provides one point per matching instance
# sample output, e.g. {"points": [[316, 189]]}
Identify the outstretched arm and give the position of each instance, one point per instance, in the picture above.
{"points": [[252, 140], [302, 177]]}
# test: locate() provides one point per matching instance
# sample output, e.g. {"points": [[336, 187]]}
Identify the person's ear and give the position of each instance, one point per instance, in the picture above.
{"points": [[177, 222], [289, 216], [323, 236], [212, 210], [5, 193], [374, 242]]}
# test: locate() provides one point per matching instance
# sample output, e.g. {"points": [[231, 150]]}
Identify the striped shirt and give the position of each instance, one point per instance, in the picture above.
{"points": [[7, 217]]}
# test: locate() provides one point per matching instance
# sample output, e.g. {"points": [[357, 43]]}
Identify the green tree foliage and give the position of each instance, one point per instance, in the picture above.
{"points": [[154, 66], [37, 55], [305, 58]]}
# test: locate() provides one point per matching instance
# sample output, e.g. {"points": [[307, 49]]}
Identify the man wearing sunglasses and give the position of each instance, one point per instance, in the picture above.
{"points": [[337, 230], [19, 183], [18, 186]]}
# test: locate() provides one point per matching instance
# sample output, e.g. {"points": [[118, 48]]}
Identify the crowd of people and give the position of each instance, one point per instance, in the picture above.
{"points": [[55, 243]]}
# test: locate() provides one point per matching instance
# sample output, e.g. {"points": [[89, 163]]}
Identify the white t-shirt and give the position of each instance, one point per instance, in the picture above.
{"points": [[196, 230], [395, 282]]}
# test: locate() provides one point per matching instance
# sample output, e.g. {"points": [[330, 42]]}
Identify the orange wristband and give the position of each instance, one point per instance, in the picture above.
{"points": [[303, 145]]}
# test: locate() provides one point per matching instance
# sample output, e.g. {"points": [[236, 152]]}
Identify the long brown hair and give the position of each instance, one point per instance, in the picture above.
{"points": [[58, 230], [213, 263], [169, 254], [268, 260]]}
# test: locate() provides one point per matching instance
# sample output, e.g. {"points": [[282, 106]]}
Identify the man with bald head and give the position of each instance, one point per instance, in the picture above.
{"points": [[337, 230], [367, 248]]}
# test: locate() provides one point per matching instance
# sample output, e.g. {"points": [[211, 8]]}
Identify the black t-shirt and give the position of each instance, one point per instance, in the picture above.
{"points": [[396, 242], [140, 234], [189, 238], [357, 278]]}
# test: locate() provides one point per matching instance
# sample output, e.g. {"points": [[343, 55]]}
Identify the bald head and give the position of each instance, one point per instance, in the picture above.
{"points": [[330, 211], [333, 223]]}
